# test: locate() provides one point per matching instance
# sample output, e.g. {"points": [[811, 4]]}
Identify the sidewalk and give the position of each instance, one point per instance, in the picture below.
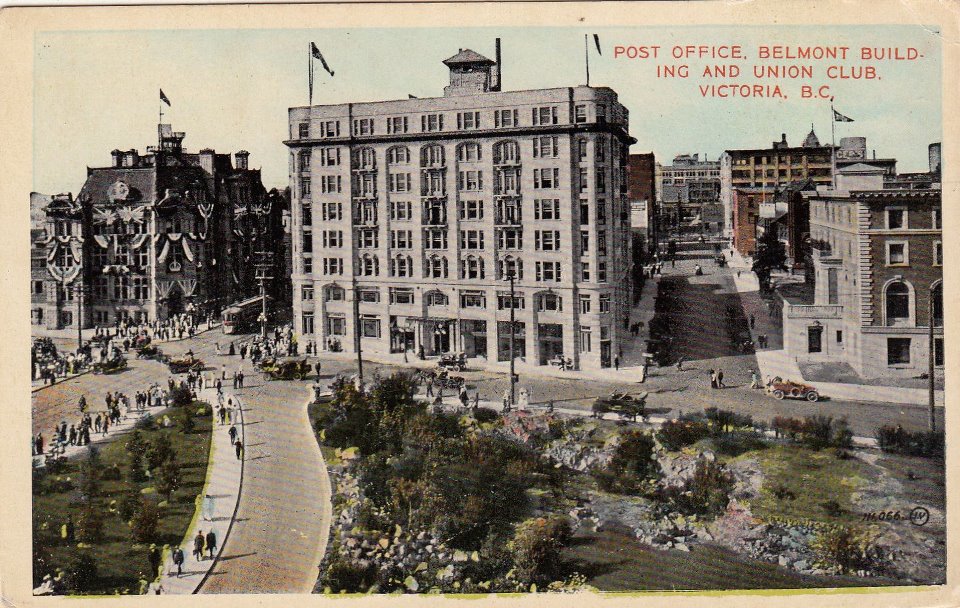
{"points": [[224, 483], [774, 361]]}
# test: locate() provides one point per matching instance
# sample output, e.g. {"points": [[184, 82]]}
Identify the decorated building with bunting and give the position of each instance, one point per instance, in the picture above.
{"points": [[153, 236]]}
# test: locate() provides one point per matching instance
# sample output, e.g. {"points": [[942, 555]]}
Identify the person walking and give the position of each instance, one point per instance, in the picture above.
{"points": [[233, 434], [754, 379], [464, 398], [38, 443], [713, 379], [211, 542], [720, 383], [222, 413], [680, 363], [429, 387], [154, 560], [616, 362], [178, 560], [317, 366], [753, 321], [506, 400], [198, 543], [238, 446]]}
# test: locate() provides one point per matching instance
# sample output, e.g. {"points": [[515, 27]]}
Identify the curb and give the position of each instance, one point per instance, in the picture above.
{"points": [[325, 485]]}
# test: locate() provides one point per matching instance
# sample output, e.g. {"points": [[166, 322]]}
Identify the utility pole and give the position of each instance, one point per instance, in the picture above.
{"points": [[513, 332], [263, 274], [356, 330], [932, 369]]}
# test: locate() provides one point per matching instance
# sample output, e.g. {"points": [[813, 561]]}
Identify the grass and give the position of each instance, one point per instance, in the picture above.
{"points": [[121, 562], [811, 478], [612, 560]]}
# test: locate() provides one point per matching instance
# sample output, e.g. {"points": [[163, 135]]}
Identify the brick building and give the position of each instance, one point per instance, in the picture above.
{"points": [[641, 191], [152, 236], [410, 215], [878, 257]]}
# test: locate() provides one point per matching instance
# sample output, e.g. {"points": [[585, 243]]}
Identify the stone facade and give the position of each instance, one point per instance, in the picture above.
{"points": [[877, 255], [409, 216]]}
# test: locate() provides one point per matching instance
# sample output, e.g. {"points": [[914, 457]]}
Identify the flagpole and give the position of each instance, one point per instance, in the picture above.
{"points": [[160, 122], [310, 72], [586, 57], [833, 146]]}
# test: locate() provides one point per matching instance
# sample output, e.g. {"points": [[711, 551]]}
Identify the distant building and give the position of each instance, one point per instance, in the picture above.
{"points": [[780, 164], [409, 216], [641, 191], [38, 257], [878, 268], [689, 184], [152, 236]]}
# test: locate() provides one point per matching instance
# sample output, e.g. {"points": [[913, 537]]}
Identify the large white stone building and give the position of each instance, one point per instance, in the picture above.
{"points": [[410, 215]]}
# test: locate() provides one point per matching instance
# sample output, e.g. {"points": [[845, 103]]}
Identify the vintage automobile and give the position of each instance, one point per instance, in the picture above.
{"points": [[286, 368], [182, 365], [622, 404], [441, 379], [110, 366], [564, 363], [150, 351], [795, 390], [456, 362]]}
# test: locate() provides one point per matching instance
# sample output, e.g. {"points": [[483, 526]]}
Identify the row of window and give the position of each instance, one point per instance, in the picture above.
{"points": [[436, 238], [545, 302], [465, 121]]}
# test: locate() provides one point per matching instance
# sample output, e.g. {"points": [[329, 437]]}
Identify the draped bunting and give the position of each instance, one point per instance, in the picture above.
{"points": [[174, 236], [163, 252], [63, 275], [186, 250], [101, 240], [103, 216], [52, 253], [187, 286], [239, 232], [138, 242], [76, 250], [164, 288]]}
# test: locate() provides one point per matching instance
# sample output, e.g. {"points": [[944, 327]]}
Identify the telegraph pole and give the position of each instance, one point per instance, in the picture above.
{"points": [[932, 370], [263, 274], [513, 332]]}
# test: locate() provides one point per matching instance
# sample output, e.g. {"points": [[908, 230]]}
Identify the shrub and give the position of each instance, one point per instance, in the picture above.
{"points": [[536, 548], [128, 503], [80, 573], [346, 576], [740, 442], [832, 508], [168, 477], [707, 492], [782, 492], [677, 434], [186, 422], [815, 432], [726, 421], [633, 463], [90, 525], [145, 424], [181, 396], [896, 440], [111, 473], [843, 548], [485, 414], [145, 521]]}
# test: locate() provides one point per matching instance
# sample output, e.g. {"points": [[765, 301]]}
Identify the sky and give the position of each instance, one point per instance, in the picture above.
{"points": [[230, 89]]}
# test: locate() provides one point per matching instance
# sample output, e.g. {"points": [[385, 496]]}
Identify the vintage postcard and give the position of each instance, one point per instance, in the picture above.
{"points": [[480, 300]]}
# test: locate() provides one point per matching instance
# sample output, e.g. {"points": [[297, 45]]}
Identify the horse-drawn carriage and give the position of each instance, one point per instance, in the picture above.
{"points": [[623, 404], [285, 368]]}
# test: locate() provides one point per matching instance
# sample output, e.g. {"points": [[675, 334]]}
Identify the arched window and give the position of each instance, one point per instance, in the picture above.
{"points": [[431, 156], [398, 155], [937, 294], [468, 152], [897, 303], [472, 268], [506, 152]]}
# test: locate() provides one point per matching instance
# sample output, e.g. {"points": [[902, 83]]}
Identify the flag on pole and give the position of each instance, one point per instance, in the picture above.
{"points": [[596, 41], [163, 98], [838, 117], [318, 55]]}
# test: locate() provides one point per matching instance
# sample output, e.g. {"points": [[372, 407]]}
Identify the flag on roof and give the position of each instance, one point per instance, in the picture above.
{"points": [[596, 41], [163, 98], [318, 55], [838, 117]]}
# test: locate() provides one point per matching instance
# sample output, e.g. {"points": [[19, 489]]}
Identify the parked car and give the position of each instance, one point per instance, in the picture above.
{"points": [[288, 368], [182, 365], [456, 362], [794, 390]]}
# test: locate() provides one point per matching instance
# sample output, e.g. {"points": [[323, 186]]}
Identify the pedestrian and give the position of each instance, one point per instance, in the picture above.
{"points": [[680, 363], [233, 433], [753, 321], [523, 400], [216, 348], [223, 371], [38, 443], [754, 379], [106, 425], [616, 362], [240, 379], [464, 399], [238, 446], [219, 387], [232, 351], [506, 400], [178, 560], [235, 381], [476, 401], [208, 507], [211, 542], [429, 387], [198, 545], [720, 383], [713, 379], [73, 435], [154, 560]]}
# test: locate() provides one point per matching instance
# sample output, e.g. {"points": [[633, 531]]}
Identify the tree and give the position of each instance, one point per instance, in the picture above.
{"points": [[90, 525], [90, 475], [536, 548], [159, 451], [145, 521], [80, 573], [168, 478], [136, 448], [771, 255]]}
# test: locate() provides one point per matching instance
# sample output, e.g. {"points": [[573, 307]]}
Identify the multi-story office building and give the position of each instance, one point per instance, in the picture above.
{"points": [[641, 190], [686, 187], [411, 215], [152, 236], [878, 270]]}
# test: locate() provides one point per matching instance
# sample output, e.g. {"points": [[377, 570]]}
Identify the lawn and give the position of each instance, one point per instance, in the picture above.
{"points": [[121, 562], [612, 560], [807, 480]]}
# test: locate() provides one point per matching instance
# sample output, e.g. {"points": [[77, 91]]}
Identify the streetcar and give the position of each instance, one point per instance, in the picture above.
{"points": [[243, 315]]}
